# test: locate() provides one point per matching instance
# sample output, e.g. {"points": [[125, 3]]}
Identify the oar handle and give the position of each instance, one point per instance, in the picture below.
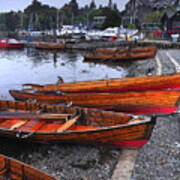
{"points": [[29, 89], [33, 85]]}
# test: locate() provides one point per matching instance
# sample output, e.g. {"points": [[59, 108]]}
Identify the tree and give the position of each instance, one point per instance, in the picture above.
{"points": [[154, 17], [41, 17], [113, 19], [115, 6], [2, 22], [100, 7], [92, 5], [35, 7], [11, 21], [74, 7], [131, 26]]}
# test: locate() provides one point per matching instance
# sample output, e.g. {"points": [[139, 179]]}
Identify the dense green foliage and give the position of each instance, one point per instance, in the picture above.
{"points": [[132, 26], [154, 17], [38, 16], [113, 19]]}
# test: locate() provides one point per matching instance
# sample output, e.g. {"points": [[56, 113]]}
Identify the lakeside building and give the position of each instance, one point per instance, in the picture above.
{"points": [[171, 18]]}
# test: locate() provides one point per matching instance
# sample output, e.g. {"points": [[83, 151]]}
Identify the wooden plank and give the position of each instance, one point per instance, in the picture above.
{"points": [[28, 115], [125, 165], [17, 125], [68, 124], [134, 121], [159, 66]]}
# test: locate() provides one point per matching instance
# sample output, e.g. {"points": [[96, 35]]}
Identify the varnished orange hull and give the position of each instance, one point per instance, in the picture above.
{"points": [[16, 170], [50, 46], [171, 81], [116, 58], [129, 55], [125, 50], [127, 102], [94, 126]]}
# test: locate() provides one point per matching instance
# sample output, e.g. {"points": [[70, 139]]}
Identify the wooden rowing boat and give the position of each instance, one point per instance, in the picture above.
{"points": [[125, 50], [118, 57], [17, 170], [50, 46], [156, 82], [127, 55], [147, 102], [50, 123]]}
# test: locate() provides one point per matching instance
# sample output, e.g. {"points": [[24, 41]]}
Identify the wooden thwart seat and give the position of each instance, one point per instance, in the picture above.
{"points": [[68, 124], [18, 125]]}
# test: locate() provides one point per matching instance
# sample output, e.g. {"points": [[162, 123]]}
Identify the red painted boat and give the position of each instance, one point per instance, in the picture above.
{"points": [[56, 124], [11, 44], [11, 169]]}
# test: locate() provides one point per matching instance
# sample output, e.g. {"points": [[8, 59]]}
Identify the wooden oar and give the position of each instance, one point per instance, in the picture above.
{"points": [[52, 87], [18, 115], [29, 89], [39, 112], [54, 116], [33, 85], [17, 111], [68, 124]]}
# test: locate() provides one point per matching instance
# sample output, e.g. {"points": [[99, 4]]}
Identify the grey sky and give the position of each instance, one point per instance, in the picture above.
{"points": [[8, 5]]}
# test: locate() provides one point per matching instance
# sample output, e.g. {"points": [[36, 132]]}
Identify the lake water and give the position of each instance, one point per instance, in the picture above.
{"points": [[33, 66]]}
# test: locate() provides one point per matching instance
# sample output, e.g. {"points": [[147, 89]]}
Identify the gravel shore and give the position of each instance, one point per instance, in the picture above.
{"points": [[160, 158], [68, 162]]}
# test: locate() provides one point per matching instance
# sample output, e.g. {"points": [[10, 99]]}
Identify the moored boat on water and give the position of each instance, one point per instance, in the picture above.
{"points": [[50, 46], [125, 50], [17, 170], [146, 102], [126, 55], [11, 44], [50, 123], [142, 83]]}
